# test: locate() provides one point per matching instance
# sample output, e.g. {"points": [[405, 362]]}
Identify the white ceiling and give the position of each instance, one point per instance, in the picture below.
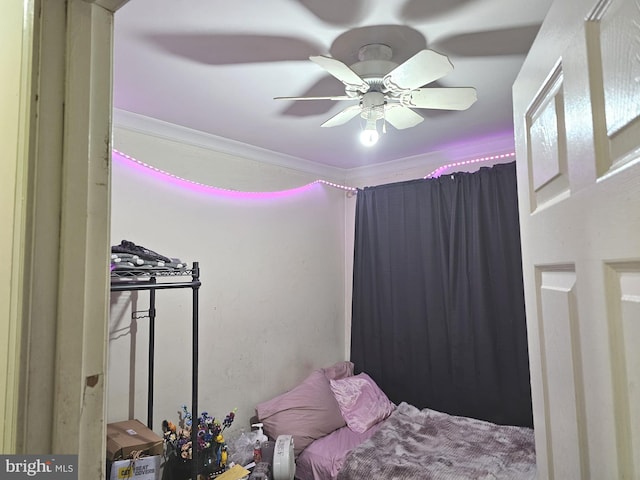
{"points": [[215, 66]]}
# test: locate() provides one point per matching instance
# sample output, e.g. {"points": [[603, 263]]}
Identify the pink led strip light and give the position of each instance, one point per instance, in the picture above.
{"points": [[438, 171], [228, 191], [201, 186]]}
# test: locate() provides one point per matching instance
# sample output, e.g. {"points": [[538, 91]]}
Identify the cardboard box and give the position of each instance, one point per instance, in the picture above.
{"points": [[125, 438], [145, 468]]}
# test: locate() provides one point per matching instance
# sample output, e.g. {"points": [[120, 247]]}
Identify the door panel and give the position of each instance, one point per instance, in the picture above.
{"points": [[623, 287], [559, 319], [577, 129], [546, 132], [614, 59]]}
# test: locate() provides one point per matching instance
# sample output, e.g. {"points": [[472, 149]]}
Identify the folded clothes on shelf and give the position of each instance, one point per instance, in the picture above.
{"points": [[129, 256], [135, 260], [146, 254]]}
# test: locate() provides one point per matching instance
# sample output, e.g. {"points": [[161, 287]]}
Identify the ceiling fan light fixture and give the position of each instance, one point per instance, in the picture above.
{"points": [[372, 111], [369, 136]]}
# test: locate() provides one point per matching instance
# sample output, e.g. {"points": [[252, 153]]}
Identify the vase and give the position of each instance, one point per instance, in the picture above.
{"points": [[177, 468], [210, 459]]}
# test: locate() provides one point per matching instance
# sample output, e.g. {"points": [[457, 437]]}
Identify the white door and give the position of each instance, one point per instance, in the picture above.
{"points": [[577, 123]]}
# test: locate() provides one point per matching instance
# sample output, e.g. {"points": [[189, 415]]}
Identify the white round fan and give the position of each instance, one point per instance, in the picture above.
{"points": [[284, 467], [388, 91]]}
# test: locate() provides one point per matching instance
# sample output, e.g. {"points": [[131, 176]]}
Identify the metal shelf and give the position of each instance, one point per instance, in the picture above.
{"points": [[153, 279], [142, 273]]}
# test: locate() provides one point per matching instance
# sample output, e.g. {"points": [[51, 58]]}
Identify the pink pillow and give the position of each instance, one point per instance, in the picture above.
{"points": [[307, 412], [361, 401]]}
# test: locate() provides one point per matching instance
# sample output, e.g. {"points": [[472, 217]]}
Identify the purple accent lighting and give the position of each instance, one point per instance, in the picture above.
{"points": [[225, 192], [229, 193]]}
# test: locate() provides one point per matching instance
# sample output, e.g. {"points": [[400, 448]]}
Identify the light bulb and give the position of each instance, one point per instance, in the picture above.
{"points": [[369, 135]]}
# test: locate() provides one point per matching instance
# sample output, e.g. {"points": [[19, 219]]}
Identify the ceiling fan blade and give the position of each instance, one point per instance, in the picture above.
{"points": [[324, 86], [341, 71], [424, 67], [455, 98], [343, 117], [340, 97], [401, 117]]}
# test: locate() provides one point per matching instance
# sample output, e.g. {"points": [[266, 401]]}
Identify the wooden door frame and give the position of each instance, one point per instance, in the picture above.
{"points": [[59, 281]]}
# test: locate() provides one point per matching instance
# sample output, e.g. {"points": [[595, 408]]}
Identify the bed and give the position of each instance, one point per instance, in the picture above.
{"points": [[345, 428]]}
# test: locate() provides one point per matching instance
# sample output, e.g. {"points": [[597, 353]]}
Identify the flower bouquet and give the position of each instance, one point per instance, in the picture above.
{"points": [[211, 447]]}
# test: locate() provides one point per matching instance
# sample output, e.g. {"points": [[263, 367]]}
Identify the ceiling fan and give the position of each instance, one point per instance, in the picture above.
{"points": [[388, 91]]}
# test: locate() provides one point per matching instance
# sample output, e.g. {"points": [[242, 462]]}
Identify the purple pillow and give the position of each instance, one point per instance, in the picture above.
{"points": [[307, 412], [361, 401]]}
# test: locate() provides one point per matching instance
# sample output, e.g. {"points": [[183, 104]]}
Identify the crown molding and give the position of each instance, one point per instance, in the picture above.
{"points": [[427, 162], [169, 131]]}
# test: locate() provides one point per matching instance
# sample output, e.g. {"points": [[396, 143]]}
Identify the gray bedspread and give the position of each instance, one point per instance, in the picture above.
{"points": [[415, 444]]}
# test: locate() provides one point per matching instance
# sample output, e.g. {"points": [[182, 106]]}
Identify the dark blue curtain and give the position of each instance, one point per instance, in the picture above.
{"points": [[438, 315]]}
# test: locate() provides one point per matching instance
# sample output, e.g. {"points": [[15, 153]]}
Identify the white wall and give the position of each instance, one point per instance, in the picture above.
{"points": [[272, 296]]}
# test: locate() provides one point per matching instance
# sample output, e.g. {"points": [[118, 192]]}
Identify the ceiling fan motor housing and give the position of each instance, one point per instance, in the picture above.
{"points": [[375, 62]]}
